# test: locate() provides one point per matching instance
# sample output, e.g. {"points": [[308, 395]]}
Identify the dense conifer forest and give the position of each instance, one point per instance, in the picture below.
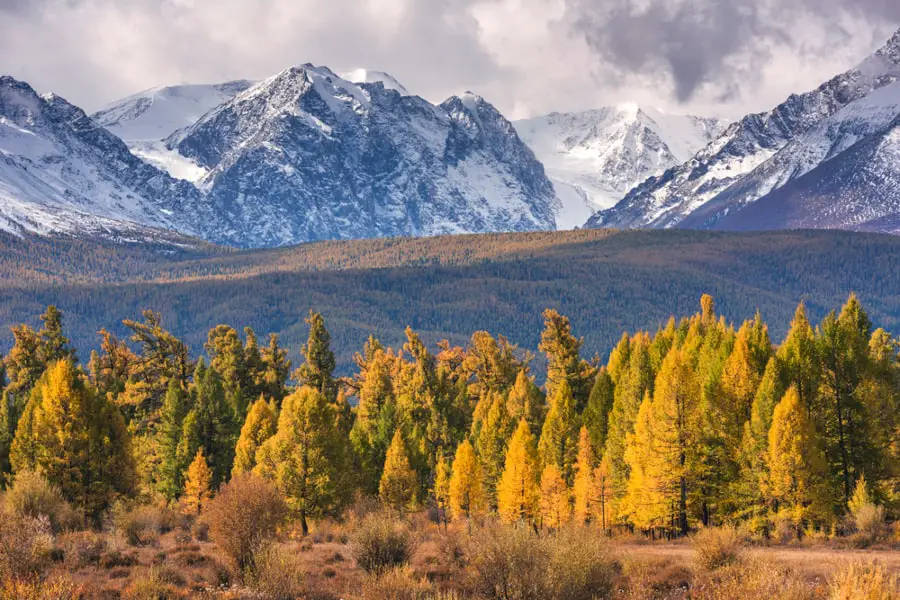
{"points": [[697, 423], [447, 287]]}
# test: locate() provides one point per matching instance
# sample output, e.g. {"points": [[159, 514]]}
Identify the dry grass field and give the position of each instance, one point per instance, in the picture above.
{"points": [[455, 561]]}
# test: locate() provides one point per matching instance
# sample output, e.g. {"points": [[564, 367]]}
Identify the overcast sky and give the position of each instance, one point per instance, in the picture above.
{"points": [[528, 57]]}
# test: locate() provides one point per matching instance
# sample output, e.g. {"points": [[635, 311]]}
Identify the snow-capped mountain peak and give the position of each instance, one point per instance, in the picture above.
{"points": [[60, 172], [369, 76], [761, 152], [308, 155], [594, 157]]}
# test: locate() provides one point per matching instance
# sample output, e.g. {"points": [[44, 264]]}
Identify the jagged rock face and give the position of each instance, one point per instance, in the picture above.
{"points": [[60, 172], [306, 156], [595, 157], [763, 152], [858, 189]]}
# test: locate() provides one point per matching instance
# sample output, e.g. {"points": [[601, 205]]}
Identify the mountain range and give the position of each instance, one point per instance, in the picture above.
{"points": [[823, 159], [309, 154]]}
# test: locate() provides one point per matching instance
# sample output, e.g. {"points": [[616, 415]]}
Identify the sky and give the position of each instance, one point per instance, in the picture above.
{"points": [[528, 57]]}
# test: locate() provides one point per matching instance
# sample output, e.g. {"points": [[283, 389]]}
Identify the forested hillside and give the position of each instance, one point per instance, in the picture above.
{"points": [[606, 282]]}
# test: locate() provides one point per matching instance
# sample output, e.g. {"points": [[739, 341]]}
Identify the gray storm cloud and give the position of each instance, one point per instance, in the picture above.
{"points": [[526, 56], [714, 42]]}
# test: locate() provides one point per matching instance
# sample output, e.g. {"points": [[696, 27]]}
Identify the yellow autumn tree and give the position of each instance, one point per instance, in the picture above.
{"points": [[555, 507], [517, 492], [661, 451], [76, 438], [583, 489], [442, 486], [797, 467], [397, 488], [601, 495], [559, 436], [642, 505], [197, 480], [467, 495], [259, 427]]}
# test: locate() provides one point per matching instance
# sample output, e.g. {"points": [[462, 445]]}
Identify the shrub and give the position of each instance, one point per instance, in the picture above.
{"points": [[380, 543], [153, 584], [870, 522], [717, 547], [655, 578], [200, 531], [26, 544], [243, 517], [82, 548], [142, 525], [33, 496], [396, 584], [514, 563], [752, 579], [786, 528], [35, 589], [865, 581], [277, 573], [581, 566], [508, 563]]}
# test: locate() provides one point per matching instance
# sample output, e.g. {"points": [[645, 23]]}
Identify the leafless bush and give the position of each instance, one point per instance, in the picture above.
{"points": [[243, 517]]}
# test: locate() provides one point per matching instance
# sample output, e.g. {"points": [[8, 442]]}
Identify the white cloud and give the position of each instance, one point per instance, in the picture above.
{"points": [[525, 56]]}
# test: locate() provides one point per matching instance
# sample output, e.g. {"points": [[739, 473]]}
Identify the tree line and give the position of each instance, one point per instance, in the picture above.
{"points": [[699, 422]]}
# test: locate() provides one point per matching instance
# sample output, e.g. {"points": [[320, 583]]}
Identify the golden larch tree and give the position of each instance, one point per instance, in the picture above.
{"points": [[517, 492], [397, 488], [583, 488], [259, 427], [467, 495], [197, 480], [555, 506]]}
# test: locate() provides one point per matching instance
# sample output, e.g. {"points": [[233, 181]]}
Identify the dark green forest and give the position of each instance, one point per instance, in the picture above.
{"points": [[446, 287]]}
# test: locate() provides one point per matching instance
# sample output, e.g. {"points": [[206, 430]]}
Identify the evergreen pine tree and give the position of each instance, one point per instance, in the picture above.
{"points": [[564, 363], [596, 414], [843, 350], [272, 379], [493, 438], [210, 424], [175, 407], [319, 362]]}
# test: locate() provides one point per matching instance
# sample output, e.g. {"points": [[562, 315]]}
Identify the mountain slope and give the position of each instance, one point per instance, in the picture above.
{"points": [[859, 189], [61, 173], [595, 157], [763, 151], [145, 119], [306, 155]]}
